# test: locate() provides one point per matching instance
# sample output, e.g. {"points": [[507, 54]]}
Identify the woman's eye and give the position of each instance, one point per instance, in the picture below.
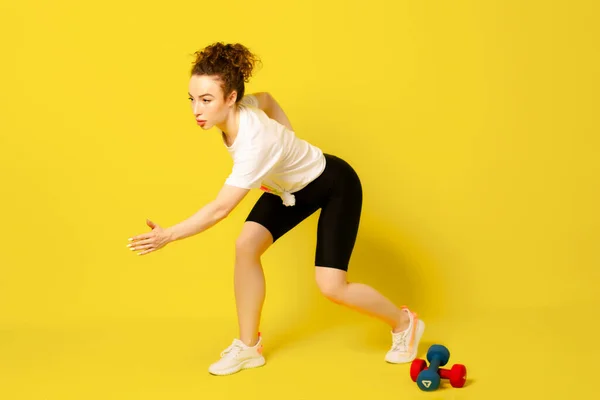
{"points": [[203, 100]]}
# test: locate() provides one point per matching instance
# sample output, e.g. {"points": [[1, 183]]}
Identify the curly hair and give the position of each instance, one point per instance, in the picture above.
{"points": [[232, 63]]}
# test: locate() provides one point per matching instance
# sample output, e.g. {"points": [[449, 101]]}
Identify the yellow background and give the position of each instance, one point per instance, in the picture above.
{"points": [[473, 126]]}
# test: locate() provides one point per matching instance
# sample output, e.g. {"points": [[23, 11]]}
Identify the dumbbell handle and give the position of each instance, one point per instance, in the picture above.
{"points": [[434, 365], [442, 372]]}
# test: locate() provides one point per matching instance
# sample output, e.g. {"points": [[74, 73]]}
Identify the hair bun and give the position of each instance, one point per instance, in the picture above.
{"points": [[236, 55], [234, 63]]}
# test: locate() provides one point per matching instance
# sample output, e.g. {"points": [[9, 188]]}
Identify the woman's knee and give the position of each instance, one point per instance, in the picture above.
{"points": [[253, 241], [332, 283]]}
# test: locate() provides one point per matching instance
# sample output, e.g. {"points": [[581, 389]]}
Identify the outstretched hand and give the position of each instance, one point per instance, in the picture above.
{"points": [[149, 242]]}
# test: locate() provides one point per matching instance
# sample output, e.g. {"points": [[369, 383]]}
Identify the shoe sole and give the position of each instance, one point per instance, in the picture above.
{"points": [[251, 363], [418, 335]]}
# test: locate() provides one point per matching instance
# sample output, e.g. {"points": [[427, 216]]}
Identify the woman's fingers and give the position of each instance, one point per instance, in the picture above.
{"points": [[146, 242], [143, 236], [137, 244], [141, 247]]}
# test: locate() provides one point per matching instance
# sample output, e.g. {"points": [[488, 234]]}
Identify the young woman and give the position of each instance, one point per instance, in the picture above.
{"points": [[297, 179]]}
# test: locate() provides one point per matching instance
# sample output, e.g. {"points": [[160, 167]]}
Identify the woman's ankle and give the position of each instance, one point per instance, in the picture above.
{"points": [[403, 321], [250, 340]]}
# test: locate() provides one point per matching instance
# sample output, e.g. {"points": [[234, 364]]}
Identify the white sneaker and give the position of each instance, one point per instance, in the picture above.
{"points": [[405, 344], [238, 356]]}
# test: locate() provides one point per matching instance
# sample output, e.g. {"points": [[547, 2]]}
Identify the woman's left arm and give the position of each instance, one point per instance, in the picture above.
{"points": [[209, 215]]}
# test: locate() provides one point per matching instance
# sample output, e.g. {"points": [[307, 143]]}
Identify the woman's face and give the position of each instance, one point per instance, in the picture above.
{"points": [[208, 105]]}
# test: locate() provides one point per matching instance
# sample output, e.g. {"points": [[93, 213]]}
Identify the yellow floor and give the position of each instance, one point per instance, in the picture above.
{"points": [[539, 354]]}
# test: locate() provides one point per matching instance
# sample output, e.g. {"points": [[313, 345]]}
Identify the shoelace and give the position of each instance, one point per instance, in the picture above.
{"points": [[233, 350], [399, 341]]}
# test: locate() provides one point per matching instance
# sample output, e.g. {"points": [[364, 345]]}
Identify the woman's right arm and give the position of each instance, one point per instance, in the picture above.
{"points": [[269, 105]]}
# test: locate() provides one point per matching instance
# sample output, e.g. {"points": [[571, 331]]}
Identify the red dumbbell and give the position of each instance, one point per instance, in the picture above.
{"points": [[457, 375]]}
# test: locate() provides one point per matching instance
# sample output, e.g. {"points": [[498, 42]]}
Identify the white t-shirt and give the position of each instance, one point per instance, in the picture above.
{"points": [[269, 156]]}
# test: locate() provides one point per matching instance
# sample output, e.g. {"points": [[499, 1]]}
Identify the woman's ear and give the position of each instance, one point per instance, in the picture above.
{"points": [[232, 98]]}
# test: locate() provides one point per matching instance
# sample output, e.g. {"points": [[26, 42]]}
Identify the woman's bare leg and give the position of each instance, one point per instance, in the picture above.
{"points": [[360, 297], [249, 279]]}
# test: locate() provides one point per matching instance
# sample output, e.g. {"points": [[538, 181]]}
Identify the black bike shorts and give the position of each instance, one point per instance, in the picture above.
{"points": [[338, 193]]}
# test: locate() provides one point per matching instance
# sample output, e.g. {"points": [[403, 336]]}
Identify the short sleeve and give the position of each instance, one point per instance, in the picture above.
{"points": [[249, 100], [252, 164]]}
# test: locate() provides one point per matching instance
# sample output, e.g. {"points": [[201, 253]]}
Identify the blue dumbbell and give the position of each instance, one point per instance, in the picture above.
{"points": [[429, 379]]}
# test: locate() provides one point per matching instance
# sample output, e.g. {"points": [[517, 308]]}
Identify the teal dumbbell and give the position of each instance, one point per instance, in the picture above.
{"points": [[429, 379], [457, 375]]}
